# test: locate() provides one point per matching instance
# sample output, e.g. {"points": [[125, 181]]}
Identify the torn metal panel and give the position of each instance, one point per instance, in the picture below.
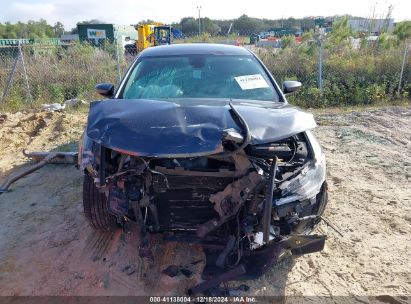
{"points": [[158, 128], [270, 121]]}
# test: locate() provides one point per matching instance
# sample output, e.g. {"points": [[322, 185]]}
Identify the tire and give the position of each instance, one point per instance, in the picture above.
{"points": [[95, 207]]}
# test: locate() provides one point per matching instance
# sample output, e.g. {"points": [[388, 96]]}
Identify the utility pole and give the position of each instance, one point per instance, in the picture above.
{"points": [[199, 20], [402, 68], [320, 37]]}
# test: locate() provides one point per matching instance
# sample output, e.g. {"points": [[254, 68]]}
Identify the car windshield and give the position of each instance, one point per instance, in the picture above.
{"points": [[199, 76]]}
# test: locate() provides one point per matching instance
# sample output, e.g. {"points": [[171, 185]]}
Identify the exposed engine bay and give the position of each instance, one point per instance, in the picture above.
{"points": [[246, 204]]}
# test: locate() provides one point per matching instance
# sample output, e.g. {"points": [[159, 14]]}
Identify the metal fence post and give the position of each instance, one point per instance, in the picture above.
{"points": [[118, 60], [25, 73], [402, 68], [320, 59], [320, 67]]}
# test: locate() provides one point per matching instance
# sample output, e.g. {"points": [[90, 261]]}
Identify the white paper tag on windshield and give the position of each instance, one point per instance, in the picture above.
{"points": [[249, 82]]}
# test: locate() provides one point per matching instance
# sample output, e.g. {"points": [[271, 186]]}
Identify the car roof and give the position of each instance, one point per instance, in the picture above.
{"points": [[194, 49]]}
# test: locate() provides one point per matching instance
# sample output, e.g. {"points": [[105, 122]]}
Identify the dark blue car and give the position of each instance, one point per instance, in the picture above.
{"points": [[199, 141]]}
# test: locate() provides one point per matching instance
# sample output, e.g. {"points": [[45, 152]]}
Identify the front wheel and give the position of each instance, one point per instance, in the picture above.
{"points": [[95, 206]]}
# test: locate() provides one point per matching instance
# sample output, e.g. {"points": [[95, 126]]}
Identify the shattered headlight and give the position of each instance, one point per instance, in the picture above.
{"points": [[308, 183]]}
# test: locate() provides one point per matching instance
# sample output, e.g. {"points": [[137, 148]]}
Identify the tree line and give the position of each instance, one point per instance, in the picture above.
{"points": [[244, 25], [31, 30]]}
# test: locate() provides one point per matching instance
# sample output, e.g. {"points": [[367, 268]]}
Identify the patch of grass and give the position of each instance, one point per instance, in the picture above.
{"points": [[359, 108], [370, 137]]}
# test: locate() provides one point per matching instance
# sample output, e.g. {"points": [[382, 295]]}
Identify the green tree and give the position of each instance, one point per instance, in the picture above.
{"points": [[58, 29], [307, 36], [287, 41], [245, 25], [403, 30], [291, 23], [189, 25], [340, 33], [208, 26], [31, 29], [387, 41]]}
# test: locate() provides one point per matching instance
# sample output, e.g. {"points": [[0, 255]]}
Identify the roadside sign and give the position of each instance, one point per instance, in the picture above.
{"points": [[96, 34]]}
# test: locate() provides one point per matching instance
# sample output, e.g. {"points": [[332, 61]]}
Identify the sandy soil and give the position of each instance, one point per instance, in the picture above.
{"points": [[47, 247]]}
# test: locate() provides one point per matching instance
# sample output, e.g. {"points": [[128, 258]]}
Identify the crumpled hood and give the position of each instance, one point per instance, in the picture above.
{"points": [[188, 127]]}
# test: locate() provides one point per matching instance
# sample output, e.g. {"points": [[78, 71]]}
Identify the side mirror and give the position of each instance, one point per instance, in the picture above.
{"points": [[290, 86], [105, 89]]}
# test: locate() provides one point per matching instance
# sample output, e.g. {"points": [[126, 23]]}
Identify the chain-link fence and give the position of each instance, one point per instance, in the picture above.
{"points": [[330, 75], [341, 76], [50, 74]]}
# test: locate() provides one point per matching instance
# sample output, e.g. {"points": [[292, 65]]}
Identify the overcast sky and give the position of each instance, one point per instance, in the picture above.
{"points": [[69, 12]]}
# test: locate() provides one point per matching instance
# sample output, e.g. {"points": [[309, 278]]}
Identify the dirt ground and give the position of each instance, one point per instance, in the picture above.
{"points": [[47, 247]]}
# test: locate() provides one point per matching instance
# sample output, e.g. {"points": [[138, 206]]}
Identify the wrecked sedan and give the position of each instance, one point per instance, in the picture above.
{"points": [[199, 143]]}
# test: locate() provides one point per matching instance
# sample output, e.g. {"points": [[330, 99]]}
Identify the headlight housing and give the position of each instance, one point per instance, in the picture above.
{"points": [[308, 183]]}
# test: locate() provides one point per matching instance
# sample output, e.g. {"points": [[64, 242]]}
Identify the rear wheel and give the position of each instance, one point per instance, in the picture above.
{"points": [[95, 206]]}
